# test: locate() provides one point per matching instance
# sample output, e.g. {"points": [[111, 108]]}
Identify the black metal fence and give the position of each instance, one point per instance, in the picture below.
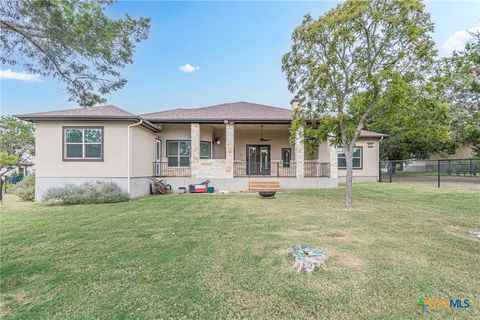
{"points": [[274, 169], [317, 169], [279, 169], [463, 173], [162, 169]]}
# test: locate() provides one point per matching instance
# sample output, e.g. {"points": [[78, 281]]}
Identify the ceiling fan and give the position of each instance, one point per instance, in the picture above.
{"points": [[261, 134]]}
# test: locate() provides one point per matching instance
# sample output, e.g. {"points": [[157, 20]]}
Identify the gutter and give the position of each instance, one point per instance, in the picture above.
{"points": [[129, 153]]}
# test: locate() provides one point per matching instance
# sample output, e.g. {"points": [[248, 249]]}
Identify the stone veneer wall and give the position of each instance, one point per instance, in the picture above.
{"points": [[299, 155], [229, 150], [211, 168]]}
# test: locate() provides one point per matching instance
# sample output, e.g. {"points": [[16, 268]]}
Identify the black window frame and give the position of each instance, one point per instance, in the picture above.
{"points": [[285, 163], [210, 155]]}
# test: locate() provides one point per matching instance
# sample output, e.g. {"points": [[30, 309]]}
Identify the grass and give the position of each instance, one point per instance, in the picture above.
{"points": [[223, 256]]}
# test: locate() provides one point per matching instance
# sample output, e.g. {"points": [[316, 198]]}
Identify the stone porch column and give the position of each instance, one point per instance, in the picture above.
{"points": [[194, 149], [229, 149], [333, 159], [299, 155]]}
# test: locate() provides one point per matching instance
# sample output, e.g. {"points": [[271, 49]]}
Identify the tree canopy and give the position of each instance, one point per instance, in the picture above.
{"points": [[420, 125], [350, 65], [17, 142], [460, 75], [73, 41]]}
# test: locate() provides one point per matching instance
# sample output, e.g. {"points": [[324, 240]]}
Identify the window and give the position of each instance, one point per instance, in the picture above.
{"points": [[357, 158], [158, 150], [286, 157], [205, 150], [178, 153], [83, 143]]}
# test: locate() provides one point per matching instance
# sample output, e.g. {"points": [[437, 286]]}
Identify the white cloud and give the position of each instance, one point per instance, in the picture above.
{"points": [[22, 76], [188, 68], [458, 40]]}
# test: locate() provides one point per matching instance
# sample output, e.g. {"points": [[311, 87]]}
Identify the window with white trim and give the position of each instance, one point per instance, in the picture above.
{"points": [[357, 158], [178, 153], [83, 143]]}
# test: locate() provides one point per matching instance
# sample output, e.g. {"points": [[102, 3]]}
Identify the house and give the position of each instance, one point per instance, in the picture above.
{"points": [[235, 145], [462, 153], [17, 173]]}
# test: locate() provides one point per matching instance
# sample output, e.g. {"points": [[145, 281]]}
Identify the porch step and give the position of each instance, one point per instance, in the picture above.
{"points": [[255, 186]]}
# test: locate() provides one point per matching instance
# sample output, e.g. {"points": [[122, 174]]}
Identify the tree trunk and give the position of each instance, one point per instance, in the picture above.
{"points": [[349, 177]]}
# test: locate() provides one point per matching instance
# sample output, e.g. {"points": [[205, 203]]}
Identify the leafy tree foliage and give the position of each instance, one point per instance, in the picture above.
{"points": [[461, 77], [7, 161], [420, 125], [17, 142], [73, 41], [347, 65]]}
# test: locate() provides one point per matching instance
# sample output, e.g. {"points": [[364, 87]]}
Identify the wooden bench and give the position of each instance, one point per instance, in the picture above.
{"points": [[258, 185]]}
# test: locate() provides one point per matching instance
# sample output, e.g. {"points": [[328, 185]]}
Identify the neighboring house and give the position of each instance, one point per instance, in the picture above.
{"points": [[462, 152], [25, 168], [232, 144], [431, 164]]}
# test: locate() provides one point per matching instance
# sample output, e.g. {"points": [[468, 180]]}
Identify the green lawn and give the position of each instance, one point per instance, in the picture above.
{"points": [[223, 256]]}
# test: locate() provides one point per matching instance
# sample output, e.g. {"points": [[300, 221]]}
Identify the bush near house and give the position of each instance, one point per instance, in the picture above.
{"points": [[86, 193], [26, 188]]}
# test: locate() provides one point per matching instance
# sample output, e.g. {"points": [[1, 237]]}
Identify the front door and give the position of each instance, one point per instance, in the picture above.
{"points": [[258, 159]]}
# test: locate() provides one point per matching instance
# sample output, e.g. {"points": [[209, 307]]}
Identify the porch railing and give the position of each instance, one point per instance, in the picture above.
{"points": [[247, 169], [162, 169], [273, 169], [316, 169]]}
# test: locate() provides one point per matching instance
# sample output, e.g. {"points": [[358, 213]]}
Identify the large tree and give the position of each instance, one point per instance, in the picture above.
{"points": [[348, 62], [460, 76], [73, 41], [17, 143], [420, 125]]}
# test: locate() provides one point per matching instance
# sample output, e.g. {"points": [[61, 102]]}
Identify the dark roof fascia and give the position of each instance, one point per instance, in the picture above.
{"points": [[260, 121], [147, 124], [34, 118]]}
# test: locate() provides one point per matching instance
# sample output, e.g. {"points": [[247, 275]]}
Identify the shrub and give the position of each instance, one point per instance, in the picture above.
{"points": [[88, 192], [25, 189]]}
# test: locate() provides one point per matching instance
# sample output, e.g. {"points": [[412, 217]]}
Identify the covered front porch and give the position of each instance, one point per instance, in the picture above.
{"points": [[230, 150]]}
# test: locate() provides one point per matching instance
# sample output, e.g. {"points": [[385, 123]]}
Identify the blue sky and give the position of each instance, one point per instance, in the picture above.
{"points": [[236, 46]]}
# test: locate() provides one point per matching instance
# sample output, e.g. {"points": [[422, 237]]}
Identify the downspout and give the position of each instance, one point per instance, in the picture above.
{"points": [[129, 155]]}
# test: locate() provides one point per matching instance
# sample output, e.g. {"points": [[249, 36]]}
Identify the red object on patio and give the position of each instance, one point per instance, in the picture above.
{"points": [[200, 188]]}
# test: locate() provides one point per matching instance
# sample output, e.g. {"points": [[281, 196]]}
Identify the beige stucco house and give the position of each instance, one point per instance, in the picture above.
{"points": [[235, 145]]}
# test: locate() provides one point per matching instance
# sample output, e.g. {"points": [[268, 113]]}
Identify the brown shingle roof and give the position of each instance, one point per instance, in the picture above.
{"points": [[107, 112], [245, 112], [236, 111]]}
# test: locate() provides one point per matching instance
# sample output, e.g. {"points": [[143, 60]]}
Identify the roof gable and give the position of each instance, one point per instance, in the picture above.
{"points": [[107, 111], [241, 112], [236, 111]]}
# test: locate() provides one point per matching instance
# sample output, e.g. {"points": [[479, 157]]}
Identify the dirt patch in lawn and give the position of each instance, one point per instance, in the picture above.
{"points": [[337, 259]]}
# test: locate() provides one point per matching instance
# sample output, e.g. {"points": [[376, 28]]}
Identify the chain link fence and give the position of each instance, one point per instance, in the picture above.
{"points": [[453, 173]]}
